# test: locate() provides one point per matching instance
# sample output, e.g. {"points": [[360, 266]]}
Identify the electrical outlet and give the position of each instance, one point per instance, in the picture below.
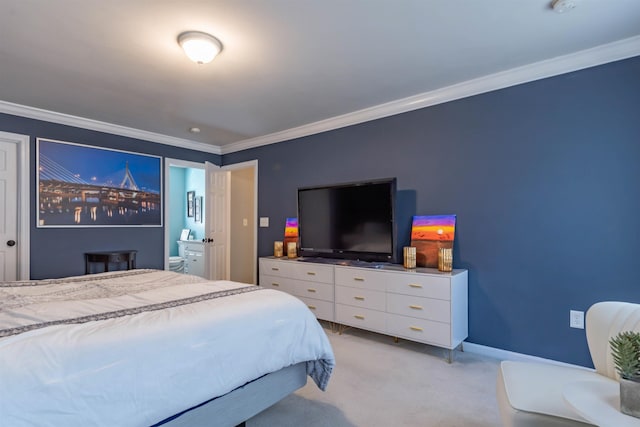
{"points": [[576, 319]]}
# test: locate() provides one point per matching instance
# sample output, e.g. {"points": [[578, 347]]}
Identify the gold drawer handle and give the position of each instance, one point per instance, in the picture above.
{"points": [[311, 290], [312, 307], [415, 328], [275, 268], [359, 298], [275, 284], [415, 285], [358, 316], [415, 307], [358, 279], [311, 273]]}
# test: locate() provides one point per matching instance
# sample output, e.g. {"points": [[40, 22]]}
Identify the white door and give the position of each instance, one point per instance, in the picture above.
{"points": [[217, 211], [8, 210]]}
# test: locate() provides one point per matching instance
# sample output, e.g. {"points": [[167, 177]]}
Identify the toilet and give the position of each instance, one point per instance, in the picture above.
{"points": [[176, 263]]}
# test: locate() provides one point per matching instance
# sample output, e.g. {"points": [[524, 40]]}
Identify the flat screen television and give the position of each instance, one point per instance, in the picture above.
{"points": [[354, 221]]}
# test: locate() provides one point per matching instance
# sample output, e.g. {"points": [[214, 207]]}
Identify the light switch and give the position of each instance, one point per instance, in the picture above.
{"points": [[264, 221], [245, 222]]}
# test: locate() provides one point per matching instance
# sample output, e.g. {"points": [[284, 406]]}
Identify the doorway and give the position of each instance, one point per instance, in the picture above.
{"points": [[242, 200], [243, 223], [15, 212]]}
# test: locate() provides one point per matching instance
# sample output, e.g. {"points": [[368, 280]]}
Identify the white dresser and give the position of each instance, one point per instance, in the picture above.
{"points": [[312, 283], [423, 304]]}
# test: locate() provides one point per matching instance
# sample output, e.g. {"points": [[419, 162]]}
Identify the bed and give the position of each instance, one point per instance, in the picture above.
{"points": [[150, 347]]}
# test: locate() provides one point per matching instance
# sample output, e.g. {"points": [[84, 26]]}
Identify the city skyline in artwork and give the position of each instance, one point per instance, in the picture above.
{"points": [[80, 185]]}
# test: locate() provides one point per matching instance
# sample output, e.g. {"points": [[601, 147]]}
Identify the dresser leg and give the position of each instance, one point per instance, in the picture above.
{"points": [[396, 340], [341, 328], [334, 327]]}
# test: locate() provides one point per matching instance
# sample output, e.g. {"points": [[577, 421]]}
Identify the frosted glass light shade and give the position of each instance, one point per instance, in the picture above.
{"points": [[199, 47]]}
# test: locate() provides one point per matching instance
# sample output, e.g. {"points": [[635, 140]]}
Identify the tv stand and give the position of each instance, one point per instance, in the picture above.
{"points": [[422, 304]]}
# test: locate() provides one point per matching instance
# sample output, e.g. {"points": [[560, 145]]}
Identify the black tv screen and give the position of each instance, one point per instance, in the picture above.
{"points": [[349, 221]]}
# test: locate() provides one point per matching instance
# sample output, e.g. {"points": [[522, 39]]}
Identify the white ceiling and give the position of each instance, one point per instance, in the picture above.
{"points": [[288, 67]]}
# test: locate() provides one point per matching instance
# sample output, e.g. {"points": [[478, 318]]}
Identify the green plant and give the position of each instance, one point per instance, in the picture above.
{"points": [[625, 349]]}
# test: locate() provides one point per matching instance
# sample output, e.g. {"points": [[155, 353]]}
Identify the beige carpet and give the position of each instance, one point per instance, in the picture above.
{"points": [[377, 382]]}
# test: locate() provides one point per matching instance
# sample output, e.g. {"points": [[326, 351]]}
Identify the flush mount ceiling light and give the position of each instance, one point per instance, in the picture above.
{"points": [[562, 6], [199, 47]]}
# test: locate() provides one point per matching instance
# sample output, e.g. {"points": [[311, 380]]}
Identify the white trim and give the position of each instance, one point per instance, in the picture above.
{"points": [[500, 354], [184, 163], [24, 224], [242, 165], [84, 123], [246, 165], [552, 67], [615, 51], [24, 203]]}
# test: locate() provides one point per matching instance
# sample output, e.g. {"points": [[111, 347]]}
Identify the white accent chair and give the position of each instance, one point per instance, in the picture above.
{"points": [[531, 394]]}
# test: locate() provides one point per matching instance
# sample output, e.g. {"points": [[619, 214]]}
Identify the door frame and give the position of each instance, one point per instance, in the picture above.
{"points": [[254, 165], [168, 163], [24, 202]]}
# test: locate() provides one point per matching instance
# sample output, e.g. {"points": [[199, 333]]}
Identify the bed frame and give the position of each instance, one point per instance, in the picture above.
{"points": [[234, 408]]}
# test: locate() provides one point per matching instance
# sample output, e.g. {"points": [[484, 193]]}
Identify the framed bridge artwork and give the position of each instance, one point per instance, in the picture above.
{"points": [[85, 186]]}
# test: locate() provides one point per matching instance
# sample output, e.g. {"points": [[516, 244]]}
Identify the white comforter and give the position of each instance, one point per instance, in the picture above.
{"points": [[139, 369]]}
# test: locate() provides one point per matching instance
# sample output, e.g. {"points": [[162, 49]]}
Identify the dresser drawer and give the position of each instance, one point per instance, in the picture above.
{"points": [[323, 291], [420, 330], [276, 282], [361, 278], [311, 272], [424, 308], [420, 285], [274, 267], [322, 309], [361, 317], [365, 298]]}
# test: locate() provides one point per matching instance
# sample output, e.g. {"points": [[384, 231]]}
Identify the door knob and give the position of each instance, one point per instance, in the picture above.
{"points": [[11, 242]]}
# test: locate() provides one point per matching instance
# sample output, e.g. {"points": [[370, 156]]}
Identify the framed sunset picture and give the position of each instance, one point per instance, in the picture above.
{"points": [[430, 232], [290, 231]]}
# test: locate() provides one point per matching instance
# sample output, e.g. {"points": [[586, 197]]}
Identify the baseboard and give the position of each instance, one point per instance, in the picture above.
{"points": [[500, 354]]}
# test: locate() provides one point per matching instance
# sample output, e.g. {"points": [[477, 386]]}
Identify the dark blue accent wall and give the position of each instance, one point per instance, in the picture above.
{"points": [[60, 252], [544, 178]]}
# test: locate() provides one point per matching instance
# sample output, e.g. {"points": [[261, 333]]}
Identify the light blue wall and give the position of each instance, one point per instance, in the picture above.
{"points": [[177, 208], [183, 180], [194, 180]]}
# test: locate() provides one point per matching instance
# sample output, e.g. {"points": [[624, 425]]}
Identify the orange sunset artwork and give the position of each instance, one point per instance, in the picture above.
{"points": [[290, 231], [430, 232]]}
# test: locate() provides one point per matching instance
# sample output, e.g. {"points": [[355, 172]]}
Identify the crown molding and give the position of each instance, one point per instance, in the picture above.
{"points": [[84, 123], [599, 55]]}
